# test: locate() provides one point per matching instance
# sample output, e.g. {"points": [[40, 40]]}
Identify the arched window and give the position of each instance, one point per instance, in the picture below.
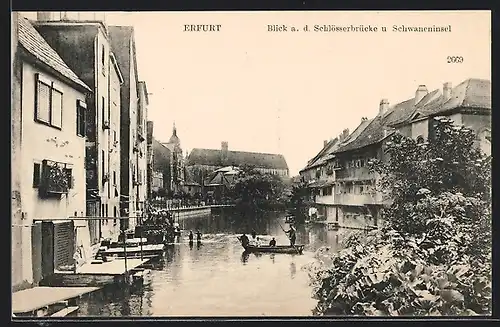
{"points": [[420, 139]]}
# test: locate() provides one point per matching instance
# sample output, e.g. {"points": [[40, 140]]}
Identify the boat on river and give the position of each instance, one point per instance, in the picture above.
{"points": [[287, 249]]}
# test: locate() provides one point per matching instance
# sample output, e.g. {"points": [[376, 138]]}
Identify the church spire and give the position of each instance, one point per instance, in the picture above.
{"points": [[174, 130]]}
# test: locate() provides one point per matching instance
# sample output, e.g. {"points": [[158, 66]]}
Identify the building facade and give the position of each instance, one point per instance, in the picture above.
{"points": [[201, 163], [352, 199], [150, 177], [85, 46], [49, 110], [133, 128], [175, 178]]}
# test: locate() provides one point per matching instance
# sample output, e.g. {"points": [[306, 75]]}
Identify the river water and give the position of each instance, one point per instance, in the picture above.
{"points": [[216, 279]]}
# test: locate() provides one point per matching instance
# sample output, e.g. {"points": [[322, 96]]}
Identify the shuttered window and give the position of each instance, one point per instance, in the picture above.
{"points": [[48, 102], [43, 102]]}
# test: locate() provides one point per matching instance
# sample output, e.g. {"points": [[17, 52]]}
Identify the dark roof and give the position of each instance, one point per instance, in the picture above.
{"points": [[372, 134], [316, 160], [36, 45], [212, 157], [471, 93]]}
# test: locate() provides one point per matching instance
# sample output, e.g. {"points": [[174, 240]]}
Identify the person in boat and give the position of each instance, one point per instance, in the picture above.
{"points": [[254, 234], [292, 235], [244, 240], [191, 236], [272, 242], [198, 236]]}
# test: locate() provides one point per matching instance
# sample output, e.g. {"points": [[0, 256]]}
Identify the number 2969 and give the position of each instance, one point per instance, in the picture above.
{"points": [[454, 59]]}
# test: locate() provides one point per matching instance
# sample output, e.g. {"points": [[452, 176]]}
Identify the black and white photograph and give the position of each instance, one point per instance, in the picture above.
{"points": [[177, 164]]}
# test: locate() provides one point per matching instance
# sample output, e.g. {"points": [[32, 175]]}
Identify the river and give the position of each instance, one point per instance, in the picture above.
{"points": [[216, 279]]}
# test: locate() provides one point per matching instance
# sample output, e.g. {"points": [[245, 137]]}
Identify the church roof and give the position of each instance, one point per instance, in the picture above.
{"points": [[212, 157]]}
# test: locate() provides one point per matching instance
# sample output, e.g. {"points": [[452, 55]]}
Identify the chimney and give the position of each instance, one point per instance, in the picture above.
{"points": [[363, 119], [325, 142], [43, 15], [384, 105], [446, 91], [420, 93]]}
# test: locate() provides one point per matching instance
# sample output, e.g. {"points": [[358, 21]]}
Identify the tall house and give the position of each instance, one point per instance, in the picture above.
{"points": [[83, 43], [133, 126], [48, 158]]}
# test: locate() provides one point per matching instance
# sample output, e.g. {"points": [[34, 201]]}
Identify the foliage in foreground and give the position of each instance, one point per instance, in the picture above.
{"points": [[434, 255]]}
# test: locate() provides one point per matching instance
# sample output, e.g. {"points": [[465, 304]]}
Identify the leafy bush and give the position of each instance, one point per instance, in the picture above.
{"points": [[433, 257]]}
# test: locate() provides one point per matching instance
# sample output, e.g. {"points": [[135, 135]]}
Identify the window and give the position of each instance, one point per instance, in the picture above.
{"points": [[114, 136], [103, 107], [361, 190], [114, 177], [114, 215], [81, 107], [103, 167], [48, 102], [56, 109], [37, 171], [103, 60]]}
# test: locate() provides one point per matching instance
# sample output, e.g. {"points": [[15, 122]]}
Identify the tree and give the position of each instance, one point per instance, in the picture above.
{"points": [[433, 257], [299, 199], [252, 190]]}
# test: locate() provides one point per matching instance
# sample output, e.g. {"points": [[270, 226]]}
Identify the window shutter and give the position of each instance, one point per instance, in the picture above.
{"points": [[42, 107]]}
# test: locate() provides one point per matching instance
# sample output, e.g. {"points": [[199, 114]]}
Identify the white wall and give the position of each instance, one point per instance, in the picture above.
{"points": [[42, 142]]}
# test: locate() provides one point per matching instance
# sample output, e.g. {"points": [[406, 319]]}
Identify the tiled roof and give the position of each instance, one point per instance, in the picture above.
{"points": [[211, 157], [371, 134], [36, 45], [319, 158], [471, 93]]}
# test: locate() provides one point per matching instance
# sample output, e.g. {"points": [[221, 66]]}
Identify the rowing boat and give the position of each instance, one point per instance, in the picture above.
{"points": [[288, 249]]}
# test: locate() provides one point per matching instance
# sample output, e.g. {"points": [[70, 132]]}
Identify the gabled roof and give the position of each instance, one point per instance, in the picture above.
{"points": [[318, 159], [37, 47], [212, 157], [371, 134], [471, 93]]}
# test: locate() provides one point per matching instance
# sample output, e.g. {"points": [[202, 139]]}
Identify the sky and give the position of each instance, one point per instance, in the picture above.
{"points": [[287, 92]]}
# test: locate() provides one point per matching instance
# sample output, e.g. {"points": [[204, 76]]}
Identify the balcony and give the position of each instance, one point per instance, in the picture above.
{"points": [[358, 199], [362, 173], [324, 199]]}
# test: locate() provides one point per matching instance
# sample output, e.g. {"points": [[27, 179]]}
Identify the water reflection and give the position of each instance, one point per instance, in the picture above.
{"points": [[218, 277]]}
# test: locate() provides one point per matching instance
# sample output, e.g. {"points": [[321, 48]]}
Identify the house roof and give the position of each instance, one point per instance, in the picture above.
{"points": [[212, 157], [37, 47], [471, 93], [371, 134]]}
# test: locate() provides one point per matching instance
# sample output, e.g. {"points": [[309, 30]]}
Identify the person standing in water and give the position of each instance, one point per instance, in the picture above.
{"points": [[191, 236], [292, 235], [272, 242], [198, 236]]}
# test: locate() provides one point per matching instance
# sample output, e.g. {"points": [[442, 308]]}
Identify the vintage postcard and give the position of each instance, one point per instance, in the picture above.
{"points": [[251, 164]]}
